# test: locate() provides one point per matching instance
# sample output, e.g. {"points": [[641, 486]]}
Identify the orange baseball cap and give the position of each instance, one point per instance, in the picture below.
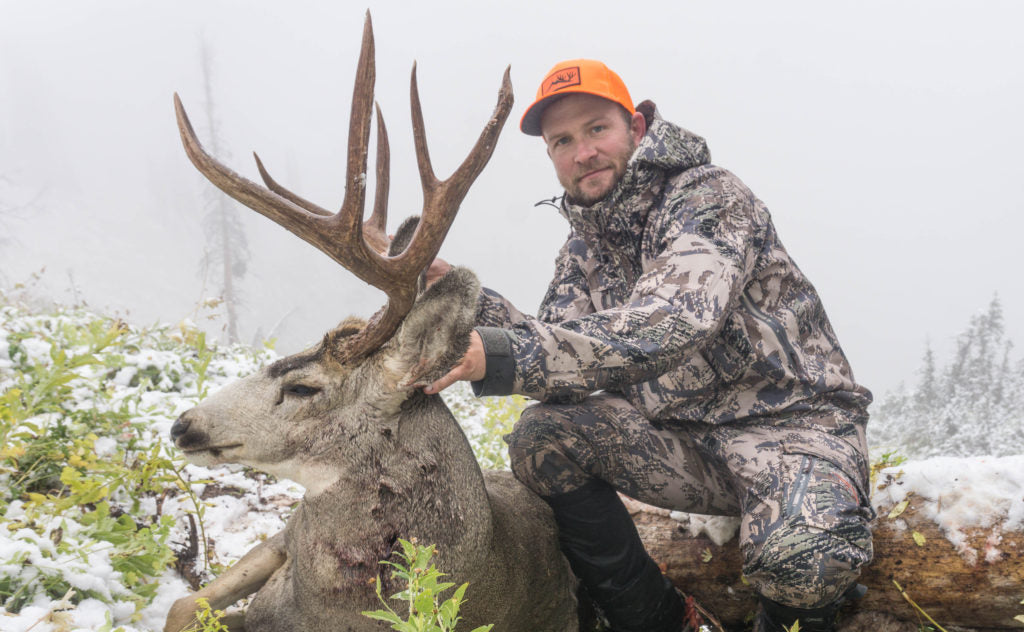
{"points": [[585, 76]]}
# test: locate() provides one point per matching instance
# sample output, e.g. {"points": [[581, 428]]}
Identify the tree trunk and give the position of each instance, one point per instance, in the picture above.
{"points": [[225, 232], [979, 591]]}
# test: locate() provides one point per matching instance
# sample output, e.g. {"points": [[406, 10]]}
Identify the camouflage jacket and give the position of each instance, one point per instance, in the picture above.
{"points": [[675, 292]]}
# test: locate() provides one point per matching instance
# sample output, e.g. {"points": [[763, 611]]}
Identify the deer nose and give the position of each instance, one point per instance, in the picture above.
{"points": [[181, 425]]}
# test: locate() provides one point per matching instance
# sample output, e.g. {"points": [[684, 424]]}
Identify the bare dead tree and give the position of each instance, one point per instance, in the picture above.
{"points": [[226, 254]]}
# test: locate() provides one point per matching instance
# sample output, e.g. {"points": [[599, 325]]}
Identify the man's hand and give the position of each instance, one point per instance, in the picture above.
{"points": [[472, 367], [438, 268]]}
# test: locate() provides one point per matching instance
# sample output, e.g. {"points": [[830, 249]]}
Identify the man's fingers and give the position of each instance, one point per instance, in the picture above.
{"points": [[473, 366], [443, 383]]}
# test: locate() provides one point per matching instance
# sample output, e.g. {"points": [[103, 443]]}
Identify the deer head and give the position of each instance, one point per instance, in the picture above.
{"points": [[290, 418]]}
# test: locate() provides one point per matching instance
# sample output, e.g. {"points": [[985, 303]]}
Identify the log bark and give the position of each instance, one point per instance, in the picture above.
{"points": [[981, 590]]}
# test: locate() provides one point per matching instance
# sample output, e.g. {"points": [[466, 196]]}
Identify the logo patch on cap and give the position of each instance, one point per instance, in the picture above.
{"points": [[560, 80]]}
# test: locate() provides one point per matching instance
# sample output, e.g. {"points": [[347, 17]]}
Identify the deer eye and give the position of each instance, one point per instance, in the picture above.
{"points": [[301, 390]]}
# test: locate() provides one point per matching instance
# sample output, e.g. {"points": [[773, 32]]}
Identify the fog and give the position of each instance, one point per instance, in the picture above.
{"points": [[884, 136]]}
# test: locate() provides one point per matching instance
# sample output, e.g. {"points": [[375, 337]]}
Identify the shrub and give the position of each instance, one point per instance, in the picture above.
{"points": [[422, 590]]}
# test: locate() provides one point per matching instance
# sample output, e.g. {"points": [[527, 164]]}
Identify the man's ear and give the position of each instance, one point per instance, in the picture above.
{"points": [[435, 334], [637, 126]]}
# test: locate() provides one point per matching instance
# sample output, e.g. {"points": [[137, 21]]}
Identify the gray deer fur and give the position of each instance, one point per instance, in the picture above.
{"points": [[380, 460]]}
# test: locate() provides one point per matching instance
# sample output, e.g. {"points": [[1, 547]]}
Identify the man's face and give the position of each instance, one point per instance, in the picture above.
{"points": [[590, 140]]}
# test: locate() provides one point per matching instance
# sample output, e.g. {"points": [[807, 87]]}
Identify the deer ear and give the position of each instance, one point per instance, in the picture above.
{"points": [[403, 236], [402, 239], [435, 334]]}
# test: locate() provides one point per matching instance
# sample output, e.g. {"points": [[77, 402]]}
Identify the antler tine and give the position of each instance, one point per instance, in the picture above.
{"points": [[375, 228], [285, 193], [351, 212], [419, 136], [286, 213], [441, 200]]}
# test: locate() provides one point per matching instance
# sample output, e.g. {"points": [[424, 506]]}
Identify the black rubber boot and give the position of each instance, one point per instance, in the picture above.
{"points": [[604, 549], [775, 617]]}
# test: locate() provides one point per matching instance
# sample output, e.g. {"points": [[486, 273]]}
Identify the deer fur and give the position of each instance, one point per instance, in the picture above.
{"points": [[380, 460]]}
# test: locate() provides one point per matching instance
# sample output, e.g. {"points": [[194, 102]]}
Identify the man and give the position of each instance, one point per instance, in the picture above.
{"points": [[681, 358]]}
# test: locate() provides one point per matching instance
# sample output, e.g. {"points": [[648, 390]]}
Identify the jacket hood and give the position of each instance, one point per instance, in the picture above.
{"points": [[666, 146]]}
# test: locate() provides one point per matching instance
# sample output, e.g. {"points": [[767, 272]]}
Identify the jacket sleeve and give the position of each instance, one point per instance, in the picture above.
{"points": [[707, 251], [567, 297]]}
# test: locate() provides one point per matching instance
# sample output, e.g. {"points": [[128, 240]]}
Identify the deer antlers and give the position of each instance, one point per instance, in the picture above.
{"points": [[342, 236]]}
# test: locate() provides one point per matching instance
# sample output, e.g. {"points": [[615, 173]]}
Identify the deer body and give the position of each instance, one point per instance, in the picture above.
{"points": [[380, 460]]}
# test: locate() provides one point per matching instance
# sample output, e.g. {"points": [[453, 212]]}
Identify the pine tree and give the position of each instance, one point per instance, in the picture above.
{"points": [[973, 406]]}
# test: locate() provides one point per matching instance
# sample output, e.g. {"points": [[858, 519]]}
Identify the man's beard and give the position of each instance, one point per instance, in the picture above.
{"points": [[617, 163]]}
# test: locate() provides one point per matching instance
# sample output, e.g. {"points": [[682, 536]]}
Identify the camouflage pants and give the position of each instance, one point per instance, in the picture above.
{"points": [[800, 490]]}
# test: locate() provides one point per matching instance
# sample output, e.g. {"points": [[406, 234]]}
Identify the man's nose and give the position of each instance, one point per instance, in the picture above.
{"points": [[585, 151]]}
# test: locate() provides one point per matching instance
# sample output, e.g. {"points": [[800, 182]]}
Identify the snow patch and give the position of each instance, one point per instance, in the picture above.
{"points": [[719, 529], [105, 446], [37, 351], [959, 493]]}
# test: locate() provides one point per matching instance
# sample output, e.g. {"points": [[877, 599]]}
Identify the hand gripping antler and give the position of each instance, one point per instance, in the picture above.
{"points": [[357, 245]]}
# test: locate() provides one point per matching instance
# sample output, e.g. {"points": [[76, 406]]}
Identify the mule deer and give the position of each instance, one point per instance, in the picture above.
{"points": [[379, 459]]}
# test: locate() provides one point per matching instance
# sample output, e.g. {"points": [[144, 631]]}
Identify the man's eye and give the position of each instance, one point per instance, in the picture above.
{"points": [[597, 129], [301, 390]]}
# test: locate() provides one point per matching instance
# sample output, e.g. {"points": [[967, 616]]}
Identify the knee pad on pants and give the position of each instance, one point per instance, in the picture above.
{"points": [[803, 566], [809, 535], [537, 455]]}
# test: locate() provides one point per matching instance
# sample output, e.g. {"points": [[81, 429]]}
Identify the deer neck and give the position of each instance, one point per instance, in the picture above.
{"points": [[422, 482]]}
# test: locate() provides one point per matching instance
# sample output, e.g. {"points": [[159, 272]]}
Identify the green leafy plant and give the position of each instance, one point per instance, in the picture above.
{"points": [[892, 458], [499, 416], [200, 361], [427, 611], [208, 619]]}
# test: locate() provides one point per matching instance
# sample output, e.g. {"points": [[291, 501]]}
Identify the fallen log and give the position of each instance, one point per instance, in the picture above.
{"points": [[977, 583]]}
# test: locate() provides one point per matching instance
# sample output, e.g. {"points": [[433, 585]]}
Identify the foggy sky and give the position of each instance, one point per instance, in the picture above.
{"points": [[883, 136]]}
